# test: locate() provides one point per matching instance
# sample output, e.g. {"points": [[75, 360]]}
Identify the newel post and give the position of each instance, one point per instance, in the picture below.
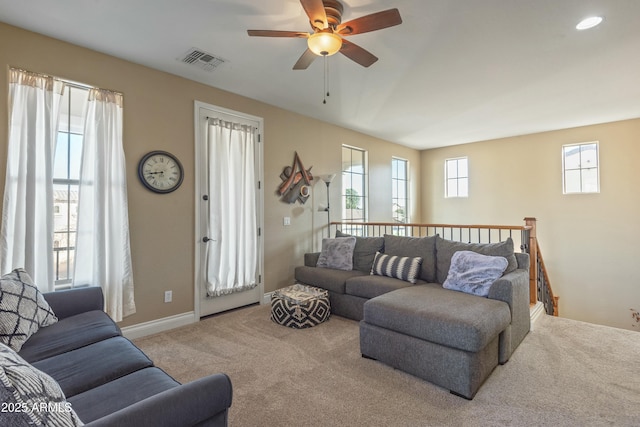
{"points": [[533, 260]]}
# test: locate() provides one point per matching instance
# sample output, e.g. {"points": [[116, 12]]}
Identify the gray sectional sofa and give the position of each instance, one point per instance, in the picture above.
{"points": [[107, 380], [453, 339]]}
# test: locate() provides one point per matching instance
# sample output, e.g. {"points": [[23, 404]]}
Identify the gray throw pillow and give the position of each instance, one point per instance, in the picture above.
{"points": [[365, 250], [423, 247], [337, 253], [23, 309], [446, 248], [474, 273]]}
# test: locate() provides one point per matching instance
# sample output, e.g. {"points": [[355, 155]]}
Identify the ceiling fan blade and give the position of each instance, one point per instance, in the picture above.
{"points": [[373, 22], [275, 33], [357, 54], [316, 13], [305, 60]]}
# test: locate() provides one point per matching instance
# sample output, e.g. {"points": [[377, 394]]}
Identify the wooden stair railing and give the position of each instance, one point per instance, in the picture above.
{"points": [[539, 283], [525, 235], [544, 291]]}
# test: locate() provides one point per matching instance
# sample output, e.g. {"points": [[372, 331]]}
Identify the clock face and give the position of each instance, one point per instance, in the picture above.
{"points": [[160, 171]]}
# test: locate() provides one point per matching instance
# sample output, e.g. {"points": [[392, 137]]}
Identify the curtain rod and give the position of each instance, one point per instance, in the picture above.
{"points": [[232, 122], [66, 81]]}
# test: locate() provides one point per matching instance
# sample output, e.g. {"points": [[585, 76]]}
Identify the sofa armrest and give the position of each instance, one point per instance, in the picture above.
{"points": [[512, 288], [70, 302], [311, 259], [523, 260], [203, 402]]}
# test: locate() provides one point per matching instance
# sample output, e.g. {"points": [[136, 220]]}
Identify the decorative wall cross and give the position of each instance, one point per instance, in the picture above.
{"points": [[296, 182]]}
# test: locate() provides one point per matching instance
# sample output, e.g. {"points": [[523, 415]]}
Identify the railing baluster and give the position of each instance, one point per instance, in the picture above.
{"points": [[540, 288]]}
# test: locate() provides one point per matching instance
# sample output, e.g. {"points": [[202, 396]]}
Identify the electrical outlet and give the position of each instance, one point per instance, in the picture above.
{"points": [[168, 296]]}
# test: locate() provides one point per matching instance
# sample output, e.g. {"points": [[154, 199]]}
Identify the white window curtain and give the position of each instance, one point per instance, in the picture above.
{"points": [[232, 255], [103, 252], [27, 211]]}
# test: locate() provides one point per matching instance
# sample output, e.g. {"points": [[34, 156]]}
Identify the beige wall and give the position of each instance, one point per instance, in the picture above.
{"points": [[589, 241], [159, 116]]}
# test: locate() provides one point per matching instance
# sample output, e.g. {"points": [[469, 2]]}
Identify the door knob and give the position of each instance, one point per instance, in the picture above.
{"points": [[205, 239]]}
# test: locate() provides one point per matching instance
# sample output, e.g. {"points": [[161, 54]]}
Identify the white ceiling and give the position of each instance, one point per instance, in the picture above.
{"points": [[455, 71]]}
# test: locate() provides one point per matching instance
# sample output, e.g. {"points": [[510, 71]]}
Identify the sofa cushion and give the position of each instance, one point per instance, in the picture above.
{"points": [[32, 396], [337, 253], [69, 334], [118, 394], [446, 248], [423, 247], [365, 250], [372, 286], [431, 313], [474, 273], [96, 364], [23, 309], [399, 267], [326, 278]]}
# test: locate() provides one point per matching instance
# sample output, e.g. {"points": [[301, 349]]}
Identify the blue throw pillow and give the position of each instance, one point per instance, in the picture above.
{"points": [[474, 273]]}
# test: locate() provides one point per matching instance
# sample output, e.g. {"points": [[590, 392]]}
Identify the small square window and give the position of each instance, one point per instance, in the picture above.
{"points": [[580, 168]]}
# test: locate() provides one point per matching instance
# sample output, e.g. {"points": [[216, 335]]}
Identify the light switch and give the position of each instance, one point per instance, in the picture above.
{"points": [[286, 220]]}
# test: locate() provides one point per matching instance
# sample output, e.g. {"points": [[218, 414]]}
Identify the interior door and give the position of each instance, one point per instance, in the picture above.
{"points": [[219, 248]]}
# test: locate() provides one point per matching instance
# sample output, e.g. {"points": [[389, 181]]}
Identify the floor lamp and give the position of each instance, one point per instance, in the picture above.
{"points": [[327, 180]]}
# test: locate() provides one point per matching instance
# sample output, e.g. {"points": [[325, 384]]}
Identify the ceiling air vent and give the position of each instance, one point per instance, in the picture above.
{"points": [[202, 59]]}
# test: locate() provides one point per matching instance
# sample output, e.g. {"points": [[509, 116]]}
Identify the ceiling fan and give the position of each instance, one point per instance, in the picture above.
{"points": [[325, 17]]}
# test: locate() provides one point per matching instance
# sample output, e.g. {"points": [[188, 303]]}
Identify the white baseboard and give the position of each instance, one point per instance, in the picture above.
{"points": [[537, 311], [160, 325]]}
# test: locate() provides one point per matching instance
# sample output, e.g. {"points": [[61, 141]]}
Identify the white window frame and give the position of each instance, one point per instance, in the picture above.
{"points": [[457, 178], [347, 176], [70, 124], [397, 181], [581, 168]]}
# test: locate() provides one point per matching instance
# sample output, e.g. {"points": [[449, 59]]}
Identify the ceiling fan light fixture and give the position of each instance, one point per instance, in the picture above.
{"points": [[324, 43], [590, 22]]}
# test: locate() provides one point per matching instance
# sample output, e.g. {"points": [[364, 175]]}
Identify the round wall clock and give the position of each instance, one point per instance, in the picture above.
{"points": [[160, 171]]}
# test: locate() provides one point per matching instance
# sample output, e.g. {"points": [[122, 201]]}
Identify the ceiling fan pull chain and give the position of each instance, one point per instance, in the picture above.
{"points": [[326, 64], [326, 79], [324, 100]]}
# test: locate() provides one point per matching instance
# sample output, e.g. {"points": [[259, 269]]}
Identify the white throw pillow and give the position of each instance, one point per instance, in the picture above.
{"points": [[31, 397], [23, 309]]}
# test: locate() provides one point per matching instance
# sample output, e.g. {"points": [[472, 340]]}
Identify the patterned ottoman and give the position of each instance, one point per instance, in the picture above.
{"points": [[300, 306]]}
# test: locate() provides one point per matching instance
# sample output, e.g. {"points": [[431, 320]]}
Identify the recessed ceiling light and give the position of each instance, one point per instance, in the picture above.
{"points": [[590, 22]]}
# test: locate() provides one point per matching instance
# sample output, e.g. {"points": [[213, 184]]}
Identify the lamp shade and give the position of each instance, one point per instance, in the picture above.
{"points": [[328, 178], [324, 44]]}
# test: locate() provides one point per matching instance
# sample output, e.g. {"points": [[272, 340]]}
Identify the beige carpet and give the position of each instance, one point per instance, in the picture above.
{"points": [[565, 373]]}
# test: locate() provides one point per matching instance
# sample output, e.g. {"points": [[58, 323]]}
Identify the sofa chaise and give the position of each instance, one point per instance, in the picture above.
{"points": [[106, 379], [451, 337]]}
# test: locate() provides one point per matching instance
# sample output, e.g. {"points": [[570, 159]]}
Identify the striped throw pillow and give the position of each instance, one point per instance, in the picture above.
{"points": [[399, 267]]}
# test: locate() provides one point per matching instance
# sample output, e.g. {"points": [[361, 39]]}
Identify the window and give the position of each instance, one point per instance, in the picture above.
{"points": [[354, 184], [66, 174], [580, 172], [399, 190], [456, 177]]}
